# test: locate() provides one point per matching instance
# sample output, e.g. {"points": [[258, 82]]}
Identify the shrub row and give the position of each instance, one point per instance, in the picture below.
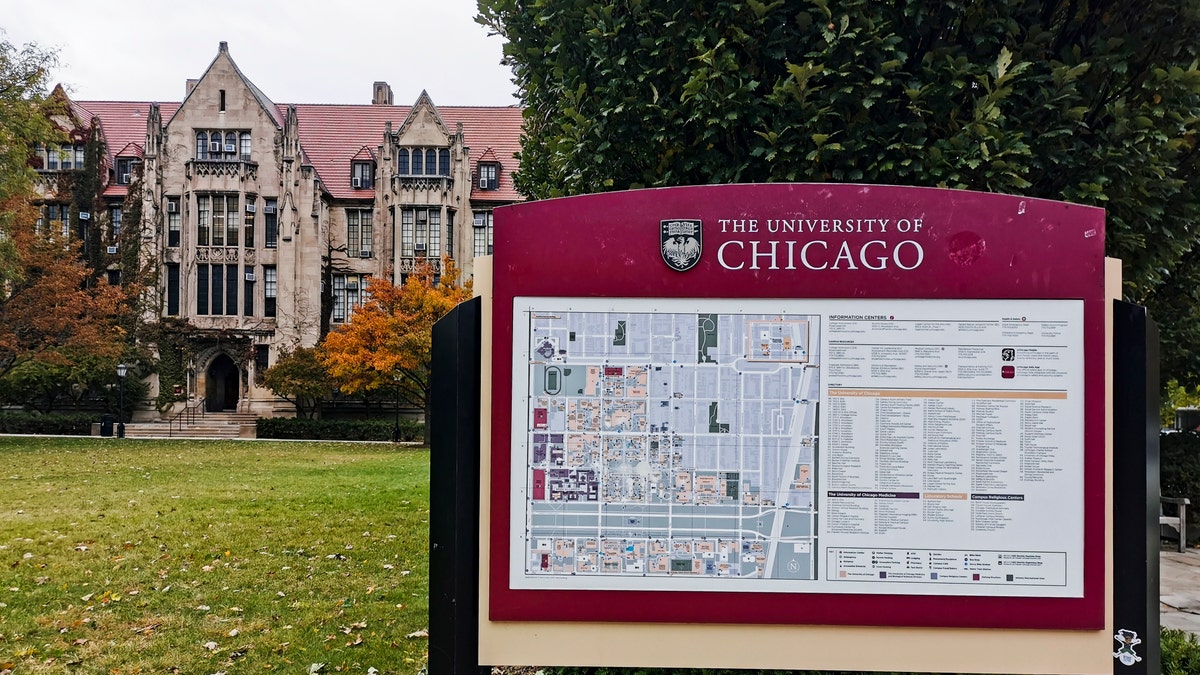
{"points": [[337, 430], [1179, 469], [74, 424]]}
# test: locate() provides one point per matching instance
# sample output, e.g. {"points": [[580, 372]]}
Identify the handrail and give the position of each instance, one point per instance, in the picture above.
{"points": [[187, 415]]}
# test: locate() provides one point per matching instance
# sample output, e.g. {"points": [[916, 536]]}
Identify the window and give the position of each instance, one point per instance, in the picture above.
{"points": [[269, 290], [360, 233], [174, 221], [425, 162], [222, 100], [125, 170], [202, 289], [217, 220], [450, 233], [216, 289], [114, 217], [489, 176], [203, 214], [113, 277], [362, 175], [261, 362], [172, 289], [248, 294], [248, 223], [421, 232], [270, 222], [231, 289], [61, 157], [54, 218], [227, 146], [483, 233], [349, 291]]}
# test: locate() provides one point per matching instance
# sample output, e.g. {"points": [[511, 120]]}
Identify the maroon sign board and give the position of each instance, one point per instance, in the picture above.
{"points": [[798, 404]]}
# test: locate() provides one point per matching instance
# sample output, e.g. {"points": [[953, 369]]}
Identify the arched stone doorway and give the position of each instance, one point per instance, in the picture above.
{"points": [[223, 384]]}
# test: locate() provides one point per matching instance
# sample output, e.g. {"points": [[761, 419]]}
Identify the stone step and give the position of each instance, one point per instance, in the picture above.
{"points": [[209, 425]]}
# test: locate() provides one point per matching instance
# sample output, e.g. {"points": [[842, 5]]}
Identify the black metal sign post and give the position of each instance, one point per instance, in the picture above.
{"points": [[1136, 646], [454, 493]]}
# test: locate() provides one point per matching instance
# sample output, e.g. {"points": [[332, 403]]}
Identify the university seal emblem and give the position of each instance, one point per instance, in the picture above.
{"points": [[682, 241]]}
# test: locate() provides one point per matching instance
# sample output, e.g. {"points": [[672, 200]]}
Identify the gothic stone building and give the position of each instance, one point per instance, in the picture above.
{"points": [[251, 209]]}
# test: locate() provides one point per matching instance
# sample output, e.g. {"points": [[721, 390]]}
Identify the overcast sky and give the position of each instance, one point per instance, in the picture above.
{"points": [[296, 51]]}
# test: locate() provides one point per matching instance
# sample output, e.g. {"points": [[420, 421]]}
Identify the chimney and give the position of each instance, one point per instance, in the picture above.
{"points": [[382, 94], [191, 84], [224, 46]]}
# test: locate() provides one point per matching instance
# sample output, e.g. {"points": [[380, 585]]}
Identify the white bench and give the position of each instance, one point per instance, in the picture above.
{"points": [[1179, 522]]}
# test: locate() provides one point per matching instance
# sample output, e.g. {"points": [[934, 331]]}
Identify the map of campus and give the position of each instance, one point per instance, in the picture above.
{"points": [[670, 445]]}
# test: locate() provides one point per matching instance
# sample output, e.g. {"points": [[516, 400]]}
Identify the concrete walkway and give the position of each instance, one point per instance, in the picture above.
{"points": [[1179, 590]]}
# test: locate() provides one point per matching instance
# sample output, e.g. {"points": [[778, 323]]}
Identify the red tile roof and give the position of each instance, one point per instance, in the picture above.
{"points": [[332, 135], [124, 124]]}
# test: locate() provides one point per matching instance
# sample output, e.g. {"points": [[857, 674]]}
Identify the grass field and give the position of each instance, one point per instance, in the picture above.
{"points": [[131, 556]]}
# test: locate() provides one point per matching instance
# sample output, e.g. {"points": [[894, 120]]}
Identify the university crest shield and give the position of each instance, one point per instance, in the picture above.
{"points": [[682, 242]]}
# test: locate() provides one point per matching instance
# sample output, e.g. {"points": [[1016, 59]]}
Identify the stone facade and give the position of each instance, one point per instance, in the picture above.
{"points": [[264, 220]]}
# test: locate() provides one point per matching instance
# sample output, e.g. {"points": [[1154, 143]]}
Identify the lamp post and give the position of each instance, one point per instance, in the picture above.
{"points": [[396, 405], [121, 370]]}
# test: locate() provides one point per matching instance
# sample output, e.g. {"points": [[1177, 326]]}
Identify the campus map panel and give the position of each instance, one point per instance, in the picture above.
{"points": [[902, 446]]}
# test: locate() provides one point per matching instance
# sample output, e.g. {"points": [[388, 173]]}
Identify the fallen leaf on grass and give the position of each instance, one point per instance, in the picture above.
{"points": [[233, 633], [148, 628], [355, 642], [210, 645], [79, 642], [316, 668], [423, 633]]}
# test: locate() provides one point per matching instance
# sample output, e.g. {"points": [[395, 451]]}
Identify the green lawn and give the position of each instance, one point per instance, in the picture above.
{"points": [[132, 556]]}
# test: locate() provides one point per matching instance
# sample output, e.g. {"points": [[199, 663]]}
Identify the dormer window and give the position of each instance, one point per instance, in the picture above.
{"points": [[362, 175], [124, 170], [489, 176]]}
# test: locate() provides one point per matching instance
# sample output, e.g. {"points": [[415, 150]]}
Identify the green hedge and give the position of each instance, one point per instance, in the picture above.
{"points": [[75, 424], [337, 430], [1179, 469]]}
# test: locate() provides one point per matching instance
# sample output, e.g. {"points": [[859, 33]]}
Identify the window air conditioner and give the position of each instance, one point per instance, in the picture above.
{"points": [[352, 284], [249, 276], [215, 146], [125, 179], [230, 148], [364, 253], [112, 250], [268, 209], [483, 183], [356, 183], [250, 208], [420, 247], [84, 215], [172, 207]]}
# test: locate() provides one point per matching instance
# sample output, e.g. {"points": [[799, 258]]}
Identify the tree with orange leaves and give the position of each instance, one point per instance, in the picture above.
{"points": [[51, 319], [386, 344]]}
